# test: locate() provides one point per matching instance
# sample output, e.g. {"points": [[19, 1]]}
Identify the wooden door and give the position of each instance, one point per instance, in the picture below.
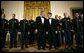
{"points": [[33, 8]]}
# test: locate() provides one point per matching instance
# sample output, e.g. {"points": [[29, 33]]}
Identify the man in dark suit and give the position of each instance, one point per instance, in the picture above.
{"points": [[51, 30], [67, 27], [4, 29], [31, 28], [13, 29], [40, 29], [24, 29]]}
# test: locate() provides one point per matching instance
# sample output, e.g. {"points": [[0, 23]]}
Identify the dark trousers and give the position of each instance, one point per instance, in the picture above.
{"points": [[59, 39], [72, 34], [81, 33], [3, 39], [68, 37], [31, 38], [52, 39], [13, 39], [79, 38], [41, 40], [24, 39], [62, 37]]}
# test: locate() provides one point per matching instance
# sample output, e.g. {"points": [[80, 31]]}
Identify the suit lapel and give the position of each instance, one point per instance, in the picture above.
{"points": [[40, 20]]}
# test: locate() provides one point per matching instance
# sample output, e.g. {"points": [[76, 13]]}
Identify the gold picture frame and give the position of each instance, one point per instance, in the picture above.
{"points": [[74, 10]]}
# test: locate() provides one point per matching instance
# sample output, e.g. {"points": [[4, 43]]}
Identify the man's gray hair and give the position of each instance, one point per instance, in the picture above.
{"points": [[41, 12]]}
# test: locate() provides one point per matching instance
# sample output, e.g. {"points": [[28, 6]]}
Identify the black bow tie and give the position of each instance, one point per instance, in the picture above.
{"points": [[49, 18]]}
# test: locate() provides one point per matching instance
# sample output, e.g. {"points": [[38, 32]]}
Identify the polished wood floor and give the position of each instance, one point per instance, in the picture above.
{"points": [[33, 48], [30, 49]]}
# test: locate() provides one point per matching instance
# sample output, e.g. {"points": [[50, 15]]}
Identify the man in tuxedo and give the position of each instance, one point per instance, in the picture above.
{"points": [[31, 28], [51, 30], [4, 29], [40, 29], [24, 29], [13, 29]]}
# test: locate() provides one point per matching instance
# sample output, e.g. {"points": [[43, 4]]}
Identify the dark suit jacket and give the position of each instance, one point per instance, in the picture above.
{"points": [[51, 27], [39, 25]]}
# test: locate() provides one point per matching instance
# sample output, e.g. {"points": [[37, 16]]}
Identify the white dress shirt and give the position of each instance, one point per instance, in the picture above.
{"points": [[50, 21], [42, 19]]}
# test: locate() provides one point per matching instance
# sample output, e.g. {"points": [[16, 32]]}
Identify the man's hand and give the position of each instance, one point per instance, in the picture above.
{"points": [[60, 24], [28, 33], [63, 31], [56, 32], [36, 30], [7, 31], [19, 33], [72, 30], [47, 33], [59, 31]]}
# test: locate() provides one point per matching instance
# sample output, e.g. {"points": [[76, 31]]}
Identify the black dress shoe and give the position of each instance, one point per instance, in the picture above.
{"points": [[26, 47], [10, 47], [49, 48], [22, 48], [15, 47], [43, 48], [4, 47], [56, 48], [38, 48]]}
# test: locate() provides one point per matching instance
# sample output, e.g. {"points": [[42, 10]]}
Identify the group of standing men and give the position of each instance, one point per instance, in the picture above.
{"points": [[49, 29]]}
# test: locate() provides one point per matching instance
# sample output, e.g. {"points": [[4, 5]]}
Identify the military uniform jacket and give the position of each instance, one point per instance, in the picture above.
{"points": [[4, 25], [59, 25], [13, 25], [77, 24], [24, 26], [66, 24], [31, 25]]}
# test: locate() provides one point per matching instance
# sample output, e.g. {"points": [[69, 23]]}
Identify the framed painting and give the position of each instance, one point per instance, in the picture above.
{"points": [[74, 10]]}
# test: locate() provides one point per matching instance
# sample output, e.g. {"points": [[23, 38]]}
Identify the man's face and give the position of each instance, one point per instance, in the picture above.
{"points": [[49, 16], [24, 17], [65, 15], [77, 15], [43, 14], [59, 18], [13, 15], [81, 15], [30, 17], [3, 16], [56, 16]]}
